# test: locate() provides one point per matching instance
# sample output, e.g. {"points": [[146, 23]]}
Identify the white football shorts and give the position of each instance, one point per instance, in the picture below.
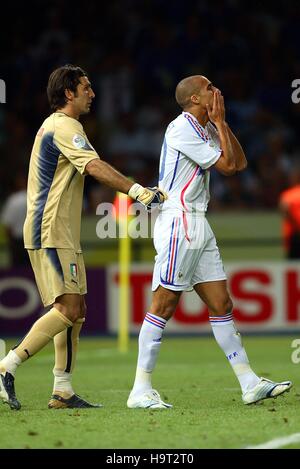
{"points": [[187, 252]]}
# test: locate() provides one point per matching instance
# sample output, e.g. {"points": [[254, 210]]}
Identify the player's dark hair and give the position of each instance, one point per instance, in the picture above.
{"points": [[65, 77]]}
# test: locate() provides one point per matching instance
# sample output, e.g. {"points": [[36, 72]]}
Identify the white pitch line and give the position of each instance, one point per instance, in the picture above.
{"points": [[278, 442]]}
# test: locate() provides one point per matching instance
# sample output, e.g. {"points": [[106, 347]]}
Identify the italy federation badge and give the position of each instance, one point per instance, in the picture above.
{"points": [[73, 270]]}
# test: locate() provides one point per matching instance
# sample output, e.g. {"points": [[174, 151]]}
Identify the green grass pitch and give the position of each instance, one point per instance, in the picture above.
{"points": [[192, 374]]}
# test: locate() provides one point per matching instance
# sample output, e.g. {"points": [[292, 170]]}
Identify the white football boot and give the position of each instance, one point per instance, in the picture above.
{"points": [[265, 389], [147, 400]]}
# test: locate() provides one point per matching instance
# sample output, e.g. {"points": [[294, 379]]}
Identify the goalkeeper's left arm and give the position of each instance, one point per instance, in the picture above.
{"points": [[106, 174]]}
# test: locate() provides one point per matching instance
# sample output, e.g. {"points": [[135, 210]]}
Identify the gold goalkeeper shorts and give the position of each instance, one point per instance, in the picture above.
{"points": [[58, 271]]}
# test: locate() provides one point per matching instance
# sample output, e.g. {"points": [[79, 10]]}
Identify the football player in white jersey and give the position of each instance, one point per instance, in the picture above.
{"points": [[187, 254]]}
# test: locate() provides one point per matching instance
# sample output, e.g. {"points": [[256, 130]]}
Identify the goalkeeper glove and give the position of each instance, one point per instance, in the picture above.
{"points": [[148, 196]]}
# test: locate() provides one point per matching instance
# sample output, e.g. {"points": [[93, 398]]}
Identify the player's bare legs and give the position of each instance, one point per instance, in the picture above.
{"points": [[164, 302], [215, 295], [162, 308], [70, 305], [66, 343]]}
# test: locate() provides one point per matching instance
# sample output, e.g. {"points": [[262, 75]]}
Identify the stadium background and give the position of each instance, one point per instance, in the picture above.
{"points": [[135, 52]]}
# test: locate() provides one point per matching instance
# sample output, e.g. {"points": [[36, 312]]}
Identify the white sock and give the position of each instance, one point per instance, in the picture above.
{"points": [[10, 363], [149, 344], [62, 382], [230, 342]]}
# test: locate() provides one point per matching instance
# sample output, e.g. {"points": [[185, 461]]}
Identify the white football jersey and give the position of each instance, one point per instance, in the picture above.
{"points": [[188, 151]]}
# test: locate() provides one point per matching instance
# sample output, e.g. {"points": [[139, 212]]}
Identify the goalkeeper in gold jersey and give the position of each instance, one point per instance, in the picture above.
{"points": [[61, 156]]}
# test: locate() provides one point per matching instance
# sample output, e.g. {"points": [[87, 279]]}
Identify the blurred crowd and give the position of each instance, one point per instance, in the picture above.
{"points": [[135, 52]]}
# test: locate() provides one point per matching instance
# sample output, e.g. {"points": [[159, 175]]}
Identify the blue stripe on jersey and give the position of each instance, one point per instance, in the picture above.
{"points": [[175, 169], [163, 161], [53, 256], [195, 128], [47, 164]]}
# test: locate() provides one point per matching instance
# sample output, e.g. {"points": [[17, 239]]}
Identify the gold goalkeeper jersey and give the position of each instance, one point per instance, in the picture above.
{"points": [[60, 153]]}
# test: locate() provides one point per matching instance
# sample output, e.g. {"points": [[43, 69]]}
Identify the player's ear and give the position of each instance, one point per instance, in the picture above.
{"points": [[69, 94], [195, 99]]}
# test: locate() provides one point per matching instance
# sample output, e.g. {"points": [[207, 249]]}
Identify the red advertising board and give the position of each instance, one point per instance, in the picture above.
{"points": [[266, 297]]}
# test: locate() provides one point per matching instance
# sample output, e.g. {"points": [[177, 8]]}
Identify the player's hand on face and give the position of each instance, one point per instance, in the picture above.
{"points": [[216, 112]]}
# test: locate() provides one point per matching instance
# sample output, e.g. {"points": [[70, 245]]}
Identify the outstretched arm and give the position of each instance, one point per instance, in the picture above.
{"points": [[106, 174]]}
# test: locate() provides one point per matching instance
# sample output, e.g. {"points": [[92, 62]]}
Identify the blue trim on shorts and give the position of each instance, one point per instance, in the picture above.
{"points": [[176, 250], [173, 284], [170, 244], [53, 256]]}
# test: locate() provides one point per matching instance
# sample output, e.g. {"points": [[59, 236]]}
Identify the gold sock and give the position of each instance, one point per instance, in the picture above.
{"points": [[66, 344], [42, 331]]}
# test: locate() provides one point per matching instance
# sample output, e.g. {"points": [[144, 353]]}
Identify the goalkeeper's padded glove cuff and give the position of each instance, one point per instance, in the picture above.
{"points": [[148, 196], [135, 191]]}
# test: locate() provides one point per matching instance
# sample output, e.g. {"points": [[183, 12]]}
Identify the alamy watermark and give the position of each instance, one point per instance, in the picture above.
{"points": [[295, 357], [2, 91], [296, 92], [135, 222], [2, 349], [126, 220]]}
